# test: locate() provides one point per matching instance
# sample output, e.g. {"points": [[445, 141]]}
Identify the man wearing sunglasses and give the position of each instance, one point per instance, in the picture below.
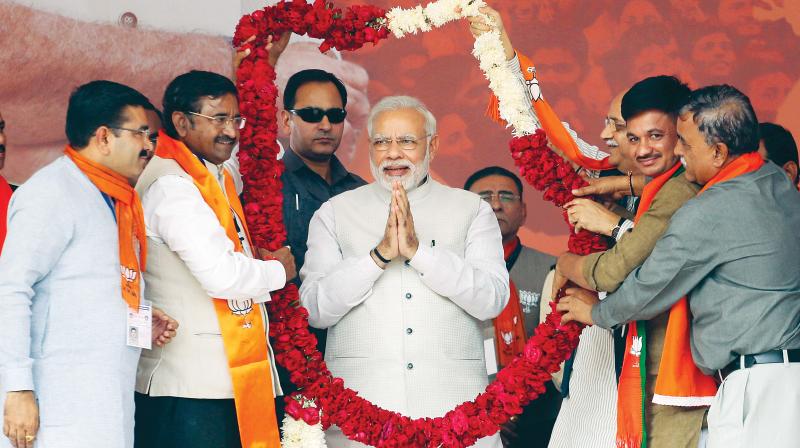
{"points": [[204, 269], [313, 116], [314, 112]]}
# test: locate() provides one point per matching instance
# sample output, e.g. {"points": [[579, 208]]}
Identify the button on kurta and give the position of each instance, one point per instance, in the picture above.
{"points": [[408, 295], [409, 330], [409, 366]]}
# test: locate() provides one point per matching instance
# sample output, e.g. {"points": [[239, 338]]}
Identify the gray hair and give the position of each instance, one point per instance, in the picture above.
{"points": [[724, 115], [391, 103]]}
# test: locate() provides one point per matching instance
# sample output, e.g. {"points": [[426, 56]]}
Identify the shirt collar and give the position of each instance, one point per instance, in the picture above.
{"points": [[294, 163]]}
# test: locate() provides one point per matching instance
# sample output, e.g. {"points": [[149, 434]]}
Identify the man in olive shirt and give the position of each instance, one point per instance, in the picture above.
{"points": [[733, 251], [650, 109]]}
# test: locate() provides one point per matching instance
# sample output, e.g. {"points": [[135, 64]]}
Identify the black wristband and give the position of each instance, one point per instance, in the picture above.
{"points": [[380, 257]]}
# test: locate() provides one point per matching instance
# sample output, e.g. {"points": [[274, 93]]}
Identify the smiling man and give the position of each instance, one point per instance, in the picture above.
{"points": [[70, 276], [402, 272], [671, 417], [205, 271], [733, 251]]}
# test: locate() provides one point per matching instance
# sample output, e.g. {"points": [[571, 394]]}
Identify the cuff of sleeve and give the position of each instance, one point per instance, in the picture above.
{"points": [[424, 260], [17, 379], [589, 264], [597, 317], [367, 265], [276, 275], [624, 228], [513, 63]]}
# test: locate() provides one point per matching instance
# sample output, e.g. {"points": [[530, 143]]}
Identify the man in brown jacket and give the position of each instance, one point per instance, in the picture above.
{"points": [[650, 109]]}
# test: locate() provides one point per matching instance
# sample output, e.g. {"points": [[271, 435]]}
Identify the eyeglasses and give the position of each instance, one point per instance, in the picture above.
{"points": [[152, 136], [335, 115], [407, 142], [503, 197], [221, 121]]}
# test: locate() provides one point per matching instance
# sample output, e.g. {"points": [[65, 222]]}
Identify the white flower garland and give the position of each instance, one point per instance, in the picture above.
{"points": [[299, 434], [513, 106], [488, 49]]}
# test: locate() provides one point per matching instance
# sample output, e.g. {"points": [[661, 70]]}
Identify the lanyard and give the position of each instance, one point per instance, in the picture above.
{"points": [[110, 203]]}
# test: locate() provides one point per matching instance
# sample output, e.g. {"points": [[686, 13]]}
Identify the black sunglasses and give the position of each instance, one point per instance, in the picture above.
{"points": [[335, 115]]}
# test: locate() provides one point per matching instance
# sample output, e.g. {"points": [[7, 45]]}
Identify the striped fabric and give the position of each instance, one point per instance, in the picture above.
{"points": [[588, 417]]}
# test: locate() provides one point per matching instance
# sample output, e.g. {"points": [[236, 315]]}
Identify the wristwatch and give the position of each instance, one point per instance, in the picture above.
{"points": [[615, 230]]}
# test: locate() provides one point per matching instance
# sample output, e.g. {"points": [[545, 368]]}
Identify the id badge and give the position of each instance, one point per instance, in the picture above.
{"points": [[139, 331]]}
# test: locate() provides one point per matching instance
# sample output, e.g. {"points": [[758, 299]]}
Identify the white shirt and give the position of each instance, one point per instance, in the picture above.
{"points": [[332, 286], [176, 215]]}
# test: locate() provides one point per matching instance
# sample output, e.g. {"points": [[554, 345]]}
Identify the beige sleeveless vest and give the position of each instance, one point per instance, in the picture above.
{"points": [[193, 364], [406, 348]]}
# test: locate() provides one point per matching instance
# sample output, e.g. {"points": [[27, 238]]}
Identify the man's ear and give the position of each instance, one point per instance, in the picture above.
{"points": [[791, 169], [433, 147], [181, 123], [284, 122], [721, 153], [101, 137]]}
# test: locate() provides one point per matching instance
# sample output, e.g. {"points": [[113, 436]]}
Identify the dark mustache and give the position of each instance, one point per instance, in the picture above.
{"points": [[225, 140], [2, 148]]}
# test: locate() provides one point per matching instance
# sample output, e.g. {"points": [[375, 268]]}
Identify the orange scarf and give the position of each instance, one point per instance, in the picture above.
{"points": [[679, 381], [556, 132], [5, 197], [509, 326], [130, 223], [244, 336]]}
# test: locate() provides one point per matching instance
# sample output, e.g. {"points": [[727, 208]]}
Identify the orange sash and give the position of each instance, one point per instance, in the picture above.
{"points": [[556, 132], [130, 223], [509, 326], [5, 197], [679, 381], [244, 336]]}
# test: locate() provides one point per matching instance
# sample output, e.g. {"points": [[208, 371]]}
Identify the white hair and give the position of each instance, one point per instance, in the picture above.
{"points": [[391, 103], [417, 173]]}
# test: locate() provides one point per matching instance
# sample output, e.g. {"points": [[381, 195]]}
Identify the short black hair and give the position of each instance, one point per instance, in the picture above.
{"points": [[99, 103], [306, 76], [493, 171], [779, 142], [662, 93], [184, 93], [724, 115]]}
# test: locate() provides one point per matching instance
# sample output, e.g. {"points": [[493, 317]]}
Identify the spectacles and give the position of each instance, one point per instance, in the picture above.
{"points": [[503, 197], [335, 115], [221, 121], [152, 136], [407, 142]]}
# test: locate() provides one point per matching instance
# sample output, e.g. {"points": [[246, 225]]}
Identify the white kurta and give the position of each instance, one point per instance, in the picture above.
{"points": [[407, 338], [63, 317]]}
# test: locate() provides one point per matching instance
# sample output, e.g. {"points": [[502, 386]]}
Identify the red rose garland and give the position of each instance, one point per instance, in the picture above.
{"points": [[295, 347]]}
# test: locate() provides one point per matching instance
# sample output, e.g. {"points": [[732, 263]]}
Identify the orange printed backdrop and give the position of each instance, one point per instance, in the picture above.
{"points": [[585, 52]]}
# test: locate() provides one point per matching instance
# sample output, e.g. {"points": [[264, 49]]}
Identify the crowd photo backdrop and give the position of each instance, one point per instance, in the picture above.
{"points": [[585, 52]]}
